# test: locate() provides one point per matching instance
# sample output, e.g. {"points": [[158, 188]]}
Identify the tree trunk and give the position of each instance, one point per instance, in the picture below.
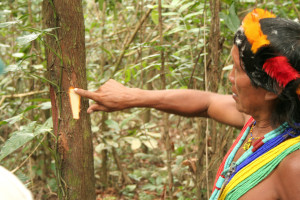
{"points": [[65, 54]]}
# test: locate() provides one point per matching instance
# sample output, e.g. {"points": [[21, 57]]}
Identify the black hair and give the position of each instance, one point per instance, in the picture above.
{"points": [[284, 37]]}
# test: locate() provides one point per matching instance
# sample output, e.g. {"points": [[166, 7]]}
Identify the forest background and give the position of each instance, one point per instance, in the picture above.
{"points": [[138, 153]]}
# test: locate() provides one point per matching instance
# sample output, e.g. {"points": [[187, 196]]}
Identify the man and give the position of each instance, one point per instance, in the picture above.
{"points": [[263, 161]]}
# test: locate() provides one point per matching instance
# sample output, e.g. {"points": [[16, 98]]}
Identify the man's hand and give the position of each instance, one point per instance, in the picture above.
{"points": [[112, 96]]}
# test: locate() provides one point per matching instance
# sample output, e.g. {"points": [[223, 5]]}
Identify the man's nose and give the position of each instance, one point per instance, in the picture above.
{"points": [[231, 76]]}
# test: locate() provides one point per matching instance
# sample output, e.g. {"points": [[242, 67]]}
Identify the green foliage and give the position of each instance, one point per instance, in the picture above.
{"points": [[24, 135], [231, 20]]}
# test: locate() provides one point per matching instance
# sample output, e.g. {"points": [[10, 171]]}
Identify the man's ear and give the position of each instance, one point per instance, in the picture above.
{"points": [[270, 96]]}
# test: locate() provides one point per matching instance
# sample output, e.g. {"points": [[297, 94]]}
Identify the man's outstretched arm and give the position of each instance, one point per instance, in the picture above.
{"points": [[113, 96]]}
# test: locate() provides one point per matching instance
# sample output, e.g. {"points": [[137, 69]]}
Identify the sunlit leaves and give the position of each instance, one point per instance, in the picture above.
{"points": [[228, 67], [18, 55], [6, 24], [27, 38], [14, 119], [134, 142]]}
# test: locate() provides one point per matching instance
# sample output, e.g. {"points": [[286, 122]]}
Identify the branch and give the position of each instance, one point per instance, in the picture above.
{"points": [[120, 167], [20, 95], [138, 26]]}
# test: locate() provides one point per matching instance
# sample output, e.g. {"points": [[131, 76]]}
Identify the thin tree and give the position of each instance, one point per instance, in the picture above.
{"points": [[65, 54]]}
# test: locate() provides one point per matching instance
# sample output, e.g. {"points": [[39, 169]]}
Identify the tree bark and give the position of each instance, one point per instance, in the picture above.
{"points": [[65, 54], [214, 45]]}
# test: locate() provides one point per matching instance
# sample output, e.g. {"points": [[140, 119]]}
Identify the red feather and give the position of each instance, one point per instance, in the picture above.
{"points": [[280, 69]]}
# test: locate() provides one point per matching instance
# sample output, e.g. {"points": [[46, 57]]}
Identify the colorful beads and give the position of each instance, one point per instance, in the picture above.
{"points": [[248, 144]]}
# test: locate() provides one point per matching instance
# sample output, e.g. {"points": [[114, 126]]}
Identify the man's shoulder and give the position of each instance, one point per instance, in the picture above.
{"points": [[288, 175], [290, 164]]}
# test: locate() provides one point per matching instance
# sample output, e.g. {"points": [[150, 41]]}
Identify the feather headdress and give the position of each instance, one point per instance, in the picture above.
{"points": [[280, 69], [253, 30]]}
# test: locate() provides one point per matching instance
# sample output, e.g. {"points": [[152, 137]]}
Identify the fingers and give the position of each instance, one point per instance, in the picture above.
{"points": [[86, 93], [96, 107]]}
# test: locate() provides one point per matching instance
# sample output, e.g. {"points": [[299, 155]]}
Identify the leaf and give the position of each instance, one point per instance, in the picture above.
{"points": [[185, 6], [231, 20], [30, 108], [227, 1], [175, 30], [153, 78], [155, 135], [17, 140], [228, 67], [38, 67], [4, 12], [100, 147], [150, 143], [169, 14], [151, 56], [154, 16], [193, 14], [14, 119], [46, 127], [18, 55], [113, 125], [27, 38], [127, 75], [100, 2], [149, 187], [176, 3], [3, 123], [2, 67], [135, 144], [24, 135], [130, 188], [106, 51], [49, 29], [5, 24], [45, 105], [112, 143], [125, 121]]}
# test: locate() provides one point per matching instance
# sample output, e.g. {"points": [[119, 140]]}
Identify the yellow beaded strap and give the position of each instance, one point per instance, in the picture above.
{"points": [[252, 28], [257, 164]]}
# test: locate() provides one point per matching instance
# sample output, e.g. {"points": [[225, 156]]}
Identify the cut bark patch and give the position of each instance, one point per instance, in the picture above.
{"points": [[75, 103]]}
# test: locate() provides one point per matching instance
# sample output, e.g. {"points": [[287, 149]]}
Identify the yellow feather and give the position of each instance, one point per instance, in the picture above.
{"points": [[253, 30]]}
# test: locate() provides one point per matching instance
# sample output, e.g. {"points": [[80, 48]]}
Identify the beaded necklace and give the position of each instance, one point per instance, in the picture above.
{"points": [[228, 172], [230, 168], [259, 169], [268, 139], [252, 155]]}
